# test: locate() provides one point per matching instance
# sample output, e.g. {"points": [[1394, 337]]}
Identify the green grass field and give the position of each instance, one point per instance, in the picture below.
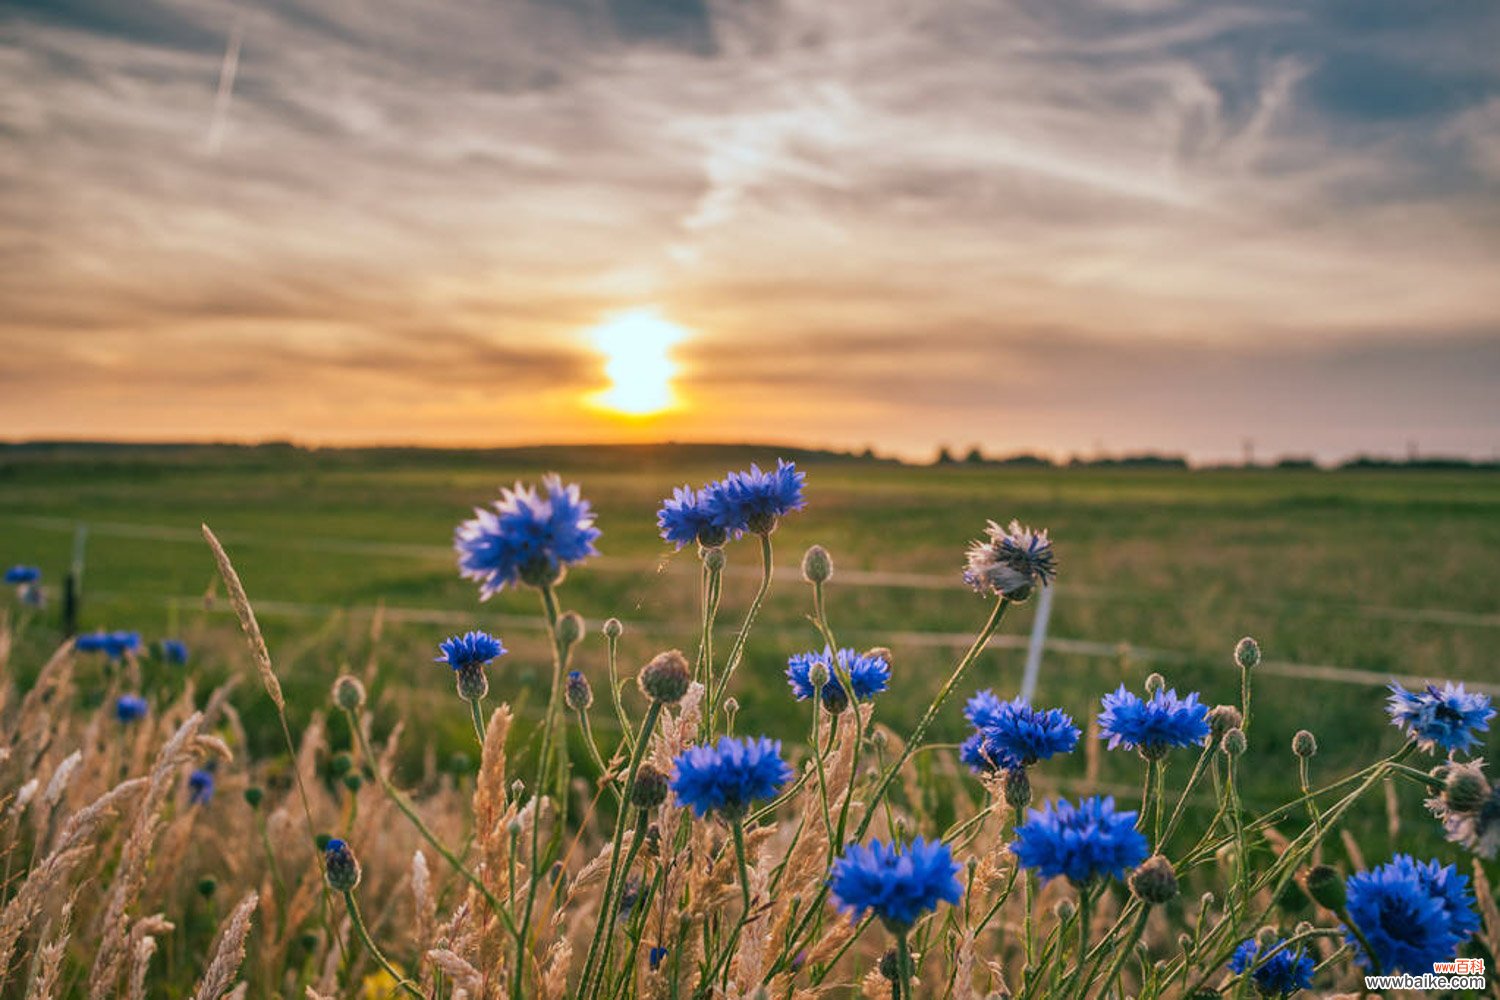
{"points": [[1381, 572]]}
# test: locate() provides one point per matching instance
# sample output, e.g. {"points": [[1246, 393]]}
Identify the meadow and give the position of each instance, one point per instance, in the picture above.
{"points": [[1345, 579]]}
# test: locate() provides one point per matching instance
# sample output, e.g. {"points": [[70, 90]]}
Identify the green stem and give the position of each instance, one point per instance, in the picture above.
{"points": [[598, 759], [477, 717], [652, 714], [997, 614], [1245, 700], [904, 970], [920, 732], [551, 612], [410, 813], [613, 644], [364, 935], [737, 648], [721, 964]]}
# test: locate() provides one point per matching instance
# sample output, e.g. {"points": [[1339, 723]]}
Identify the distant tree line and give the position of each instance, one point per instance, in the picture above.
{"points": [[1158, 460]]}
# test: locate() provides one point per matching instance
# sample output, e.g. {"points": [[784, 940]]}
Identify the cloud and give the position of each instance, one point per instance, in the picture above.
{"points": [[419, 195]]}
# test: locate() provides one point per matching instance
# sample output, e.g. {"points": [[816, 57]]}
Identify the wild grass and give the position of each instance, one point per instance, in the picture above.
{"points": [[528, 873]]}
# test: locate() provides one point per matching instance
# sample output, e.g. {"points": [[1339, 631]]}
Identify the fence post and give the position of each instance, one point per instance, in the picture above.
{"points": [[1038, 640], [72, 597]]}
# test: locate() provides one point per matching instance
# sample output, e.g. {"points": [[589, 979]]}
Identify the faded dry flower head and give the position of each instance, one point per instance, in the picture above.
{"points": [[1011, 561]]}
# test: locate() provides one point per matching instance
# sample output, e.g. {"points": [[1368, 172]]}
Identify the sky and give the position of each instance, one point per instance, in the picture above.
{"points": [[1074, 228]]}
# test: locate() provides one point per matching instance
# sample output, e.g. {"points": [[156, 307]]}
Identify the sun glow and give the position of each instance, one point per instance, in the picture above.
{"points": [[638, 361]]}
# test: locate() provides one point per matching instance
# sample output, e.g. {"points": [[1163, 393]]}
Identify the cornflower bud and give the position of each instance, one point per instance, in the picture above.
{"points": [[666, 678]]}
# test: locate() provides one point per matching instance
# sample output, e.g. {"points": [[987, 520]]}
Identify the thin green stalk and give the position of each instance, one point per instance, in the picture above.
{"points": [[997, 614], [612, 642], [1303, 777], [476, 715], [1245, 699], [721, 964], [1122, 952], [643, 824], [410, 813], [596, 756], [649, 724], [1076, 981], [551, 612], [904, 970], [1199, 769], [363, 932], [918, 733], [817, 749], [737, 648]]}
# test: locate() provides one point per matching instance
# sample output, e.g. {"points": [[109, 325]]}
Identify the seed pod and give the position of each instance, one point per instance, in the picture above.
{"points": [[570, 628], [666, 678], [1325, 886], [349, 693], [649, 789], [817, 565], [1154, 881]]}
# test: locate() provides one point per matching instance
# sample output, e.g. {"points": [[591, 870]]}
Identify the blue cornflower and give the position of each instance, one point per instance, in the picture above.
{"points": [[655, 956], [1154, 726], [1012, 734], [1286, 972], [728, 776], [1083, 842], [1448, 718], [754, 500], [201, 787], [527, 537], [898, 884], [1010, 561], [117, 644], [130, 707], [868, 676], [112, 644], [472, 649], [686, 518], [1412, 912], [18, 575], [174, 651]]}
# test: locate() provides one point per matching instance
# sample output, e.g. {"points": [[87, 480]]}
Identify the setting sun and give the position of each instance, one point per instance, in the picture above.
{"points": [[638, 362]]}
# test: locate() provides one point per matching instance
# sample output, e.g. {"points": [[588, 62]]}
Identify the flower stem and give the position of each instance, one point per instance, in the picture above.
{"points": [[737, 648], [917, 734], [904, 970], [614, 876], [410, 813], [477, 717], [364, 935]]}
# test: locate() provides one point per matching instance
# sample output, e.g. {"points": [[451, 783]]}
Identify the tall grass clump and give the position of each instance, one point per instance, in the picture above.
{"points": [[635, 844]]}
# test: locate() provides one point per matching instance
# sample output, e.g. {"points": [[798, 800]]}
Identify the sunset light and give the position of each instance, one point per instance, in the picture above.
{"points": [[637, 360]]}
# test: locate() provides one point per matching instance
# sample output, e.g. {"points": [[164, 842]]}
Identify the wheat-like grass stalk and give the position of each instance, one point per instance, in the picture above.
{"points": [[229, 952]]}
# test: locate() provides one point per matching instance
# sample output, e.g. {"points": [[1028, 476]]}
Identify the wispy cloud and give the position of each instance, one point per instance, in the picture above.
{"points": [[424, 201]]}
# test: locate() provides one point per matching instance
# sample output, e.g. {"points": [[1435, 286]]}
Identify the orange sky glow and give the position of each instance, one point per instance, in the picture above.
{"points": [[1056, 227]]}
